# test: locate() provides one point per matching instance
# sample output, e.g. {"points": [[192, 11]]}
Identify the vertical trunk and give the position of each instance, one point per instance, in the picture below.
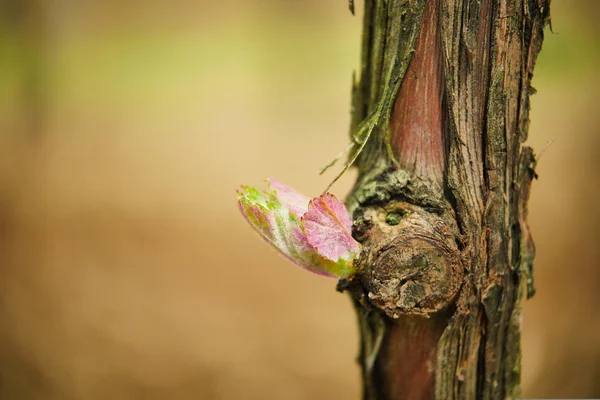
{"points": [[440, 201]]}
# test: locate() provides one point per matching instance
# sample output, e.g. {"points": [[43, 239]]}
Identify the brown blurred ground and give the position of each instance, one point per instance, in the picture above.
{"points": [[126, 271]]}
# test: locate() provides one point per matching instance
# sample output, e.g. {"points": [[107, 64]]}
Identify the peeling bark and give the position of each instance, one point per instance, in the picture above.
{"points": [[440, 203]]}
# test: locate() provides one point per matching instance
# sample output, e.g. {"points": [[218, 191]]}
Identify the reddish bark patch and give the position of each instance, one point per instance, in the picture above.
{"points": [[416, 126], [406, 363]]}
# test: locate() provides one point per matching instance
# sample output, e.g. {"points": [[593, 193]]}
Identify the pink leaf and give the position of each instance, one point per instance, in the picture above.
{"points": [[328, 228], [271, 218], [291, 199]]}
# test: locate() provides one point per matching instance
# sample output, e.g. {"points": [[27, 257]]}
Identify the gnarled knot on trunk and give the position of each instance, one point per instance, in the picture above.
{"points": [[410, 263]]}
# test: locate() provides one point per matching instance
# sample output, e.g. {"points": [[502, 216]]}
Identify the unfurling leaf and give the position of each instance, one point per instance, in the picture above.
{"points": [[328, 228], [315, 234], [294, 201]]}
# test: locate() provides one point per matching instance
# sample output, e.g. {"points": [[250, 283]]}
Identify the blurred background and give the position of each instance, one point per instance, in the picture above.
{"points": [[125, 269]]}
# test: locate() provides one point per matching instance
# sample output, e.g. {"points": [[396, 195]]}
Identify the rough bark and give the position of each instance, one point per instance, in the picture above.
{"points": [[440, 114]]}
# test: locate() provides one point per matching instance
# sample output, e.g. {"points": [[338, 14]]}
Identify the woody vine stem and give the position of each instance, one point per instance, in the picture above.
{"points": [[439, 117]]}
